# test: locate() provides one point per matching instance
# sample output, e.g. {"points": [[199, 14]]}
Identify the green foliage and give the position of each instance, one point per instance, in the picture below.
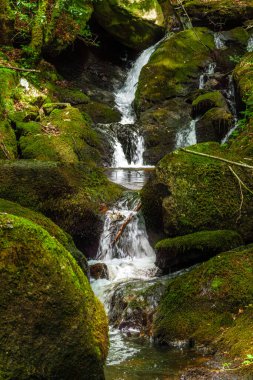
{"points": [[249, 360]]}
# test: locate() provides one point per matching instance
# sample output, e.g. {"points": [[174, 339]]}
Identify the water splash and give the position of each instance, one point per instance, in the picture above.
{"points": [[210, 70], [230, 96]]}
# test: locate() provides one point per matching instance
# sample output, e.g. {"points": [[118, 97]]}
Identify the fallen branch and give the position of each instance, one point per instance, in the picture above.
{"points": [[241, 193], [240, 181], [127, 221], [19, 69], [241, 164]]}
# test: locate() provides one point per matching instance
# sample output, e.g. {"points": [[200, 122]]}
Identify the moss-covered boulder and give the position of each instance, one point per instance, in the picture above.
{"points": [[44, 222], [136, 24], [173, 69], [212, 306], [52, 326], [101, 113], [206, 101], [183, 251], [69, 194], [64, 135], [224, 14], [198, 193]]}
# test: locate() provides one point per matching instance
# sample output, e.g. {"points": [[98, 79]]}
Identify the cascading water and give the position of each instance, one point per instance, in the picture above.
{"points": [[187, 136], [124, 98], [230, 96], [250, 44]]}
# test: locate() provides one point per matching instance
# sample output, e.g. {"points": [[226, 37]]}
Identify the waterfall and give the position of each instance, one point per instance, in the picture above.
{"points": [[230, 96], [250, 44], [187, 136], [124, 98], [219, 41]]}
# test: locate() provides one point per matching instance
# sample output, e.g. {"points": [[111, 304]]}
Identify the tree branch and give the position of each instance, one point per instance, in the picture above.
{"points": [[127, 221], [241, 164]]}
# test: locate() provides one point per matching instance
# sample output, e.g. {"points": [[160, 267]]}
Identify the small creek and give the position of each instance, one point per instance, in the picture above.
{"points": [[131, 259]]}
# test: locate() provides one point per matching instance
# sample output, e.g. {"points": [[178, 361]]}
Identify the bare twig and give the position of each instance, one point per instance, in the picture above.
{"points": [[19, 69], [241, 164], [241, 192], [5, 151], [241, 182]]}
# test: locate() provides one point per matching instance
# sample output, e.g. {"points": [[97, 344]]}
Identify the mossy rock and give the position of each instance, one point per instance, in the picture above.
{"points": [[69, 194], [64, 135], [199, 193], [101, 113], [211, 306], [160, 125], [214, 125], [206, 101], [8, 143], [136, 24], [56, 232], [184, 251], [52, 326], [173, 69], [224, 14]]}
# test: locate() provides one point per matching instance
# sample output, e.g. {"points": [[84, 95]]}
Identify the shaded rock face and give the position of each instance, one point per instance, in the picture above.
{"points": [[136, 24], [70, 194], [214, 125], [221, 15], [202, 194], [98, 271], [211, 306], [52, 326], [184, 251]]}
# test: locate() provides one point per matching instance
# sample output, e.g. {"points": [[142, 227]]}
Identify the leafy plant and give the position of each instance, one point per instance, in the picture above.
{"points": [[248, 360]]}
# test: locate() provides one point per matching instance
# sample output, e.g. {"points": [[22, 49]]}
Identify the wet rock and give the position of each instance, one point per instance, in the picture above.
{"points": [[183, 251], [207, 101], [205, 374], [160, 125], [214, 125], [132, 306], [52, 326], [98, 271]]}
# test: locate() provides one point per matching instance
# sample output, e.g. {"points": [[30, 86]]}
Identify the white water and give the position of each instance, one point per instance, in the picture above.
{"points": [[124, 98], [187, 136], [250, 44], [230, 96], [131, 257], [219, 41], [206, 74]]}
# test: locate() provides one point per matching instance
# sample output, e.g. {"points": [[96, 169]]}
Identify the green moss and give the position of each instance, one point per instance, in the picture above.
{"points": [[203, 194], [70, 194], [209, 100], [56, 232], [173, 69], [51, 323], [101, 113], [135, 24], [211, 12], [184, 251], [207, 304]]}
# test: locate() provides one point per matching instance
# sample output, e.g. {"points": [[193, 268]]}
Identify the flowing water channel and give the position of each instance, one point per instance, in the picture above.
{"points": [[129, 258]]}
